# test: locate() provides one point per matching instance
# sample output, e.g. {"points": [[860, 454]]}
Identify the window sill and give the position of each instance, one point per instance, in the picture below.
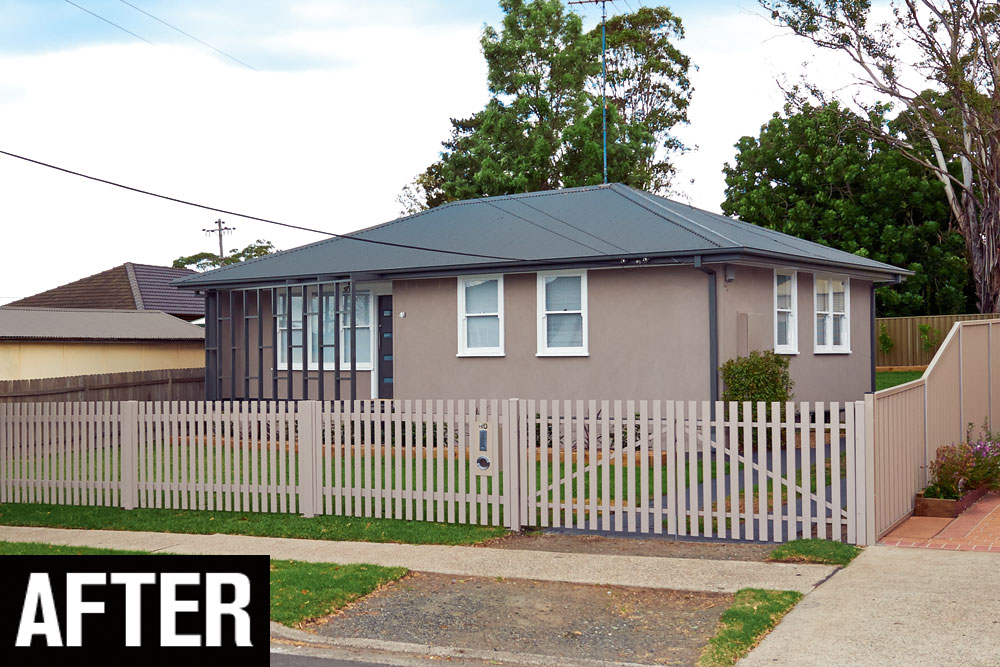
{"points": [[831, 351], [788, 352], [563, 354], [344, 368], [462, 355]]}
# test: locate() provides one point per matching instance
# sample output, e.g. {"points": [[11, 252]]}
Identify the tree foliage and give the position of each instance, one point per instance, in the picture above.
{"points": [[542, 127], [949, 123], [203, 261], [817, 174]]}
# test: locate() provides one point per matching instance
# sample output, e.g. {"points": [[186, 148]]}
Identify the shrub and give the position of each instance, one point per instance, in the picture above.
{"points": [[958, 469], [761, 376], [929, 337], [885, 341]]}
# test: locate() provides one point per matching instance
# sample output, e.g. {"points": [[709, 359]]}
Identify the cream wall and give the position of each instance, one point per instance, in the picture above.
{"points": [[26, 360], [648, 338], [818, 377]]}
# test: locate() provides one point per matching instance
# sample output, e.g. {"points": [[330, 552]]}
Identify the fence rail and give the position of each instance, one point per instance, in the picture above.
{"points": [[763, 472]]}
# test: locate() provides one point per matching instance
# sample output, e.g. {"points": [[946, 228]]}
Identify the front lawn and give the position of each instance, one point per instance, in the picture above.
{"points": [[886, 379], [299, 591], [753, 613], [325, 527]]}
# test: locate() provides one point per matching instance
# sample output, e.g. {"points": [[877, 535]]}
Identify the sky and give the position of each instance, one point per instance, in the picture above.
{"points": [[315, 113]]}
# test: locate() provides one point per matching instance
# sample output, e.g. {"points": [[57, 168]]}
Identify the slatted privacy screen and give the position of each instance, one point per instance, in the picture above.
{"points": [[765, 472]]}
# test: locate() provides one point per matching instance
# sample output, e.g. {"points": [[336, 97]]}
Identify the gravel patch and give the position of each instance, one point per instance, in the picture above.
{"points": [[546, 618], [624, 546]]}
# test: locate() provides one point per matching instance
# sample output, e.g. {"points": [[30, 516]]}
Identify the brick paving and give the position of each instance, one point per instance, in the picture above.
{"points": [[976, 529]]}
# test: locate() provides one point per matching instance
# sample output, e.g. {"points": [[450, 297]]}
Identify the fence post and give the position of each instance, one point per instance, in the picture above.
{"points": [[129, 438], [511, 465], [307, 419], [869, 469]]}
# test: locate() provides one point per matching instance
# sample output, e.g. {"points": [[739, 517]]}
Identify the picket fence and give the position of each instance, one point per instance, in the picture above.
{"points": [[759, 472]]}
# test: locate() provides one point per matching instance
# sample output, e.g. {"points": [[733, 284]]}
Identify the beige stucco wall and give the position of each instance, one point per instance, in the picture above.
{"points": [[648, 338], [25, 360], [818, 377]]}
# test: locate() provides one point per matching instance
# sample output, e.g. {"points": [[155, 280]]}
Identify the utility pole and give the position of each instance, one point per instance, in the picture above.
{"points": [[220, 230], [604, 76]]}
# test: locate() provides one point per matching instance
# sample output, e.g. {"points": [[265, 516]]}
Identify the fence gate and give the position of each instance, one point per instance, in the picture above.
{"points": [[768, 472]]}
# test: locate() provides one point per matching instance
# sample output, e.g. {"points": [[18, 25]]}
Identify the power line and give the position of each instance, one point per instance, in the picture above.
{"points": [[187, 34], [108, 22], [253, 217], [543, 227]]}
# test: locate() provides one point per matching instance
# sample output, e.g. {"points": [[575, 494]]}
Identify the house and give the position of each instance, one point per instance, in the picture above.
{"points": [[127, 287], [592, 292], [57, 342]]}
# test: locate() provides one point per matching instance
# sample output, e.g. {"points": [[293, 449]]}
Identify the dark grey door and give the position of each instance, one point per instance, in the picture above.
{"points": [[385, 346]]}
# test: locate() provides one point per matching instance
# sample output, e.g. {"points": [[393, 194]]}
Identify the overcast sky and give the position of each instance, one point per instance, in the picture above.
{"points": [[345, 103]]}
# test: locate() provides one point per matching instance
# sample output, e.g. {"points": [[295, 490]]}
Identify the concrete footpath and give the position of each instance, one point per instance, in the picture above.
{"points": [[895, 606], [684, 574]]}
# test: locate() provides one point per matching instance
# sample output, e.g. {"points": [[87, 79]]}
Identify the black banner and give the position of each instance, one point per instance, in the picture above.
{"points": [[151, 609]]}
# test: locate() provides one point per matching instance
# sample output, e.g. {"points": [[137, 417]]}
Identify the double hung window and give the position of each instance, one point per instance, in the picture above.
{"points": [[832, 314], [480, 316], [785, 312], [331, 337], [562, 313]]}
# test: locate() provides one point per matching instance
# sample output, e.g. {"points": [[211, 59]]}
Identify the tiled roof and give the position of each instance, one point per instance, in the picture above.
{"points": [[94, 324], [129, 287]]}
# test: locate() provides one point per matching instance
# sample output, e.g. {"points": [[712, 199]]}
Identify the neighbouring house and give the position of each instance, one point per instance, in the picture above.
{"points": [[127, 287], [57, 342], [593, 292]]}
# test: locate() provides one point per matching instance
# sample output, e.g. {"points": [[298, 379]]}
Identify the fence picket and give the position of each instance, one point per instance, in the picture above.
{"points": [[706, 468], [658, 498], [821, 471], [836, 524], [595, 462], [774, 472], [644, 466], [805, 477], [681, 467]]}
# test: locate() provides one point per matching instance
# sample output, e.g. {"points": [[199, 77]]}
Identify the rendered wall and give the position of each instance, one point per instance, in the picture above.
{"points": [[25, 360], [648, 338]]}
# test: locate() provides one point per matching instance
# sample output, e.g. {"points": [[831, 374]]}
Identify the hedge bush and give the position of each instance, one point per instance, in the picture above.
{"points": [[760, 376]]}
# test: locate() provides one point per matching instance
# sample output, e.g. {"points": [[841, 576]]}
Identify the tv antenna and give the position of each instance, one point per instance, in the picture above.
{"points": [[604, 76], [220, 230]]}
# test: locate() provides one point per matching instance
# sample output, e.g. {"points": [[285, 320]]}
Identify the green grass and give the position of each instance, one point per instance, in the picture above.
{"points": [[825, 552], [246, 523], [753, 613], [299, 591], [886, 379], [302, 591]]}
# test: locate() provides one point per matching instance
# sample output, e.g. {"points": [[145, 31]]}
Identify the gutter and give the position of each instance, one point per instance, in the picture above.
{"points": [[713, 330]]}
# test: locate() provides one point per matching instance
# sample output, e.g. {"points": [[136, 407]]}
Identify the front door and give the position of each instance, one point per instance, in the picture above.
{"points": [[385, 346]]}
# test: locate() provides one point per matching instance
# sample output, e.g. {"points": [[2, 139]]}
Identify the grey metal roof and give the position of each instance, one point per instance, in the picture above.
{"points": [[81, 324], [595, 224]]}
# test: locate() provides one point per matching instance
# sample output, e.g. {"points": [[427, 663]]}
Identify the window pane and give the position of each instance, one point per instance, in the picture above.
{"points": [[481, 296], [839, 296], [838, 330], [562, 293], [783, 319], [362, 311], [483, 331], [364, 338], [821, 329], [822, 294], [564, 330], [784, 284]]}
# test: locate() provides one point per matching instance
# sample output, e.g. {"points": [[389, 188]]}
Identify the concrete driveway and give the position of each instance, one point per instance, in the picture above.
{"points": [[895, 606]]}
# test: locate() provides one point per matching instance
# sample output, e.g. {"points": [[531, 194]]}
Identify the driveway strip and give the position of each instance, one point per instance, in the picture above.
{"points": [[685, 574]]}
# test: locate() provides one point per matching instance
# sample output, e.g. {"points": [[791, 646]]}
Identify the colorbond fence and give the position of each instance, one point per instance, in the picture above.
{"points": [[767, 472], [908, 348], [957, 397]]}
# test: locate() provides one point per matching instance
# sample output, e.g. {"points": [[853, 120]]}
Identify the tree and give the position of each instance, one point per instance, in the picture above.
{"points": [[542, 125], [816, 173], [203, 261], [955, 43]]}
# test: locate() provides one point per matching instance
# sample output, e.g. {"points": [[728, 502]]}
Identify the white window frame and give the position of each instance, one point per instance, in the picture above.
{"points": [[345, 325], [463, 348], [793, 314], [328, 363], [543, 349], [828, 347]]}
